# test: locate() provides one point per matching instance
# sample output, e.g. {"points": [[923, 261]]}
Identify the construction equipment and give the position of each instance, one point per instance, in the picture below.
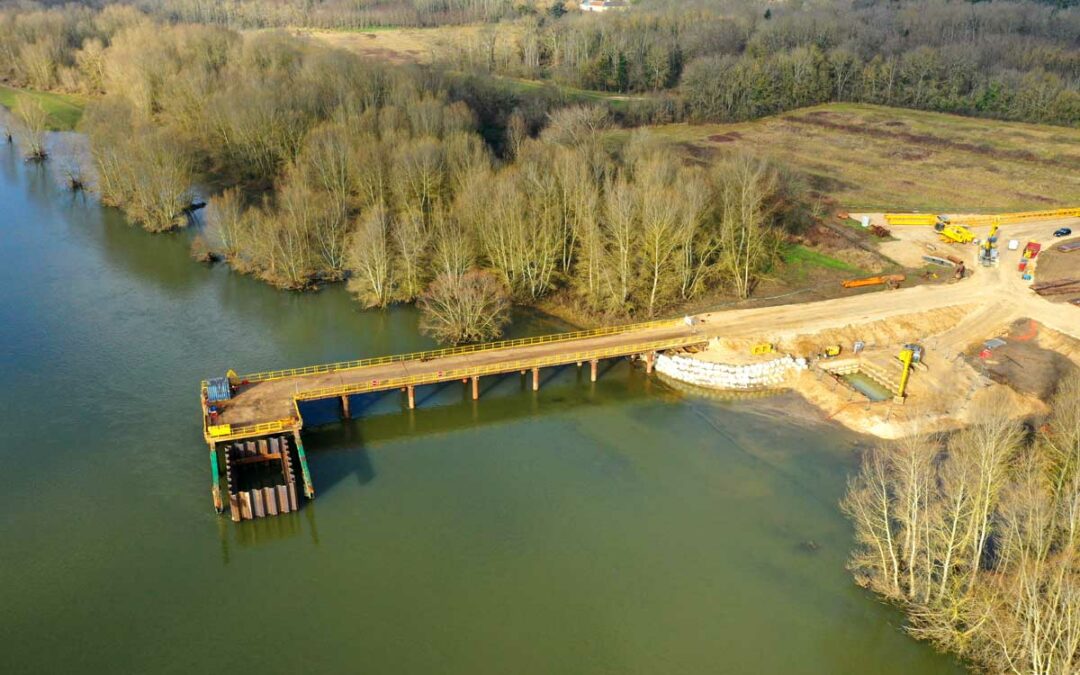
{"points": [[892, 280], [1005, 218], [832, 351], [914, 219], [988, 253], [975, 221], [954, 233], [763, 348], [908, 355]]}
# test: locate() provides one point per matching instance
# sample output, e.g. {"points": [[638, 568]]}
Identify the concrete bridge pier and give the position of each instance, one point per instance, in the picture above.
{"points": [[650, 360], [345, 407], [475, 387], [536, 379], [411, 390], [592, 370]]}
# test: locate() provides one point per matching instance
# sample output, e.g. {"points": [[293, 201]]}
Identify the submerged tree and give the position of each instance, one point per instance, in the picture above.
{"points": [[30, 123]]}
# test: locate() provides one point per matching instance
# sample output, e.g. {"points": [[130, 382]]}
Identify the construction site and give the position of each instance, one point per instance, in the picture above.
{"points": [[888, 357]]}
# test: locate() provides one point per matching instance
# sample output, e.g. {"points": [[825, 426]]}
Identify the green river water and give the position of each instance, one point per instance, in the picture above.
{"points": [[621, 527]]}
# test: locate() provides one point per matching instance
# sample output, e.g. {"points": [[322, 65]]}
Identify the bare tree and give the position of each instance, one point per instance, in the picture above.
{"points": [[465, 308], [225, 222], [748, 243], [31, 121], [371, 259]]}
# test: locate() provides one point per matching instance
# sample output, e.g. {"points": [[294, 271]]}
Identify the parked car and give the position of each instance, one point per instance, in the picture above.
{"points": [[1062, 232]]}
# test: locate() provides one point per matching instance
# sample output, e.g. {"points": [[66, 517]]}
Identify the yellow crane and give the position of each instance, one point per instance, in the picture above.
{"points": [[988, 255]]}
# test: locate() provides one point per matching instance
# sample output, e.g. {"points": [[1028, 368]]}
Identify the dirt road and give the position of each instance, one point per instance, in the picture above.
{"points": [[998, 295]]}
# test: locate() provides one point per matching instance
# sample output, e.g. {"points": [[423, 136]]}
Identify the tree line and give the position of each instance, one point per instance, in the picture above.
{"points": [[325, 166], [723, 61], [701, 61], [977, 536]]}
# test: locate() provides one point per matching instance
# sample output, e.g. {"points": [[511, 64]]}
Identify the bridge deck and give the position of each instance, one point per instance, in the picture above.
{"points": [[269, 405]]}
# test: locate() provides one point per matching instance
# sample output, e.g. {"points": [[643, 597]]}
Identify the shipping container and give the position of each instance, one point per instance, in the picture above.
{"points": [[218, 389]]}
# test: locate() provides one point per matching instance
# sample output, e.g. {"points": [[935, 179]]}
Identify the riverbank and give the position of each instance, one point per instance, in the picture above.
{"points": [[956, 374], [617, 526], [64, 110]]}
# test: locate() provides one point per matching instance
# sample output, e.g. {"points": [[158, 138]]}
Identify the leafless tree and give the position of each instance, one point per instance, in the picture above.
{"points": [[371, 259], [31, 120], [465, 308]]}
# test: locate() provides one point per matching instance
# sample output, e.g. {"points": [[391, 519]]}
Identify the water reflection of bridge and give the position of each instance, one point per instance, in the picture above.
{"points": [[254, 435]]}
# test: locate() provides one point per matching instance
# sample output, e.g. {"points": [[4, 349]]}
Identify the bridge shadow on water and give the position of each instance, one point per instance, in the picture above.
{"points": [[338, 452]]}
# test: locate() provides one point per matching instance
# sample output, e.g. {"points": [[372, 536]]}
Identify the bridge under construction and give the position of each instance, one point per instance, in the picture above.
{"points": [[252, 422]]}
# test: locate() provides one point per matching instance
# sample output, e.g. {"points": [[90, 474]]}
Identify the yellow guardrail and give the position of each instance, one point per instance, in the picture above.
{"points": [[452, 351], [495, 368], [263, 429]]}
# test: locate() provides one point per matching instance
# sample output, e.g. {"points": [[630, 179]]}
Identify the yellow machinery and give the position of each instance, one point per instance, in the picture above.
{"points": [[832, 351], [909, 355], [974, 221], [912, 218], [763, 348], [988, 255], [954, 233]]}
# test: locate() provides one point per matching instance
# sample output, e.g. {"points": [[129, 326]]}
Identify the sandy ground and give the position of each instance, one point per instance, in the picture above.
{"points": [[950, 320], [1056, 265]]}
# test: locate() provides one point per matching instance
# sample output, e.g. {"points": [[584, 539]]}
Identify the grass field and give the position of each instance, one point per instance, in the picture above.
{"points": [[867, 158], [875, 158], [415, 45], [64, 110], [799, 255], [426, 45]]}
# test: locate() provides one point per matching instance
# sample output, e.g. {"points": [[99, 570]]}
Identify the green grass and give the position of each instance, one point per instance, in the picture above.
{"points": [[615, 100], [797, 254], [64, 110]]}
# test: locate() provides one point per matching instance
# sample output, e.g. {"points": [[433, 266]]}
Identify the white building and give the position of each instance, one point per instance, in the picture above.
{"points": [[602, 5]]}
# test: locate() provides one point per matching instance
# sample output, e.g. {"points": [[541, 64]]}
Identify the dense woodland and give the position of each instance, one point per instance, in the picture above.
{"points": [[978, 536], [716, 60], [330, 167]]}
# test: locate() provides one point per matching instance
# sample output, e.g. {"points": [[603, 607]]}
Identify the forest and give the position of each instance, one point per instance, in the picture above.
{"points": [[323, 166], [713, 60], [977, 536]]}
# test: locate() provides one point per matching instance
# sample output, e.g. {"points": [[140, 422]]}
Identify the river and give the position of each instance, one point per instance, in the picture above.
{"points": [[621, 527]]}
